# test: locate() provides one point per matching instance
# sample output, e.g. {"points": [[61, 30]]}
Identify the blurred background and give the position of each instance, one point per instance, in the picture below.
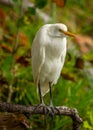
{"points": [[19, 22]]}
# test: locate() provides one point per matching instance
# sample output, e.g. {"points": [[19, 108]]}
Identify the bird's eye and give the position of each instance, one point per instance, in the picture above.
{"points": [[60, 30]]}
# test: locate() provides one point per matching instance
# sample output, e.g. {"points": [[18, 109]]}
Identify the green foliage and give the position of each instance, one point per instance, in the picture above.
{"points": [[6, 67], [89, 124], [31, 11], [40, 3]]}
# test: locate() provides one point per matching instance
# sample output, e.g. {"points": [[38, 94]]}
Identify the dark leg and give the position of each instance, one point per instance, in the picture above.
{"points": [[51, 102], [40, 94], [42, 104]]}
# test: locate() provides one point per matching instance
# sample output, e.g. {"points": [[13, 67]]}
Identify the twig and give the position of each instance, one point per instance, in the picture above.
{"points": [[29, 110], [13, 54]]}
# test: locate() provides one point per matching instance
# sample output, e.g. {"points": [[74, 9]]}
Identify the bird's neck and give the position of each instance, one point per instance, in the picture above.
{"points": [[55, 47]]}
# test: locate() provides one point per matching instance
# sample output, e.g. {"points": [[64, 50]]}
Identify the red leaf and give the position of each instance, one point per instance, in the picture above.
{"points": [[6, 48], [2, 18], [60, 3]]}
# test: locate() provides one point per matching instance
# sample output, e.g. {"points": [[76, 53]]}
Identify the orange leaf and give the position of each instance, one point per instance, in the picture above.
{"points": [[2, 18], [6, 48], [60, 3], [23, 40]]}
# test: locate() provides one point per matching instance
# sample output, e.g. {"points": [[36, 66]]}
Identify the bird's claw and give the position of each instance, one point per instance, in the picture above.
{"points": [[52, 111], [45, 108], [58, 112]]}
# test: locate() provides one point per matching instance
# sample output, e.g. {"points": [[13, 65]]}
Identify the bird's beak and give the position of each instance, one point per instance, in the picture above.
{"points": [[68, 33]]}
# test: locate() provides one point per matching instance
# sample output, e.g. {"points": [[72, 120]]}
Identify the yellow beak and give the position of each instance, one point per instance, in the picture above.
{"points": [[68, 33]]}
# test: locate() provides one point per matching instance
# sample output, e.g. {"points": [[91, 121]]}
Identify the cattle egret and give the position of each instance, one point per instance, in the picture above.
{"points": [[48, 55]]}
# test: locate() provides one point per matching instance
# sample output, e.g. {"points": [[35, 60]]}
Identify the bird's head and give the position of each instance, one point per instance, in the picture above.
{"points": [[59, 30]]}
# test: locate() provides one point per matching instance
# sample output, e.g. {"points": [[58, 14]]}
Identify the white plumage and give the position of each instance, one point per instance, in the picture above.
{"points": [[48, 54]]}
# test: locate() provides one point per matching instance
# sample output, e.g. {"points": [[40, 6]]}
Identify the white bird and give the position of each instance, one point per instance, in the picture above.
{"points": [[48, 56]]}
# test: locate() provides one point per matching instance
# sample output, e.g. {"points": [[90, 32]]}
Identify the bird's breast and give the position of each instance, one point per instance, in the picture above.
{"points": [[51, 70], [55, 47], [54, 54]]}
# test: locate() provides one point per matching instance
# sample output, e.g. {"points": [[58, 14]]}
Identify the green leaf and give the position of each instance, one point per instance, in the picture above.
{"points": [[40, 3], [87, 126], [6, 67], [90, 115], [20, 22], [88, 56], [15, 0], [31, 11]]}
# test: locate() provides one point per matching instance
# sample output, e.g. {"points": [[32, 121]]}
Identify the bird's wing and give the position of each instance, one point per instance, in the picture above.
{"points": [[63, 55], [38, 59]]}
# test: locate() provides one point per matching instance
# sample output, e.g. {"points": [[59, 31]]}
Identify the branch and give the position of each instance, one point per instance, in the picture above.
{"points": [[29, 110]]}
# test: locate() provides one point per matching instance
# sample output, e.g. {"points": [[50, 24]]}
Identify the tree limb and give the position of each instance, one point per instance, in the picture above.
{"points": [[29, 110]]}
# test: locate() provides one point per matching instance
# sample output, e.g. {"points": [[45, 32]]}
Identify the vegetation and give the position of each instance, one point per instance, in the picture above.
{"points": [[75, 87]]}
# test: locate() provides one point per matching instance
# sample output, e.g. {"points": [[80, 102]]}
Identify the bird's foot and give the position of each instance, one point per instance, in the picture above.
{"points": [[52, 110], [44, 107], [45, 110], [58, 111]]}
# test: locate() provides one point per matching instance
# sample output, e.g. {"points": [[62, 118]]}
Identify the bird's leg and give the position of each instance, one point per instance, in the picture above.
{"points": [[40, 94], [51, 102], [42, 104]]}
